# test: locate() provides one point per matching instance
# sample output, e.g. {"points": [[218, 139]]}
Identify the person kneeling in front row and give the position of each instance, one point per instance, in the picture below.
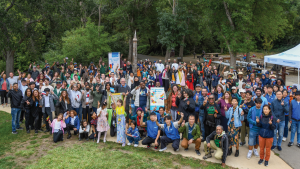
{"points": [[191, 134], [171, 131], [217, 140]]}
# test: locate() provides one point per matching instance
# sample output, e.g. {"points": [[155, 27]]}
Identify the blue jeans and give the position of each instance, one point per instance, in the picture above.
{"points": [[15, 114], [133, 109], [295, 128], [94, 109], [286, 127], [280, 128], [131, 139], [253, 138], [202, 127]]}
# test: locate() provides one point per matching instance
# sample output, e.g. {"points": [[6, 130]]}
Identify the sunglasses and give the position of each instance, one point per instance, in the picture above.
{"points": [[210, 98]]}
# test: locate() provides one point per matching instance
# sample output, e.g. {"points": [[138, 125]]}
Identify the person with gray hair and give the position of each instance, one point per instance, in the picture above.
{"points": [[218, 141]]}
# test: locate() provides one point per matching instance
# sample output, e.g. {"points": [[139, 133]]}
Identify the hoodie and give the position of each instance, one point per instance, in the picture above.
{"points": [[264, 81]]}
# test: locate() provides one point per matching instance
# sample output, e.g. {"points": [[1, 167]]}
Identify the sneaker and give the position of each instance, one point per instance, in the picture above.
{"points": [[186, 149], [290, 144], [156, 147], [20, 128], [36, 132], [79, 139], [260, 161], [298, 145], [129, 144], [242, 143], [163, 149], [148, 146], [104, 140], [135, 145], [279, 148], [28, 131], [266, 163], [207, 156], [176, 149], [284, 139], [198, 153], [249, 155], [273, 147], [123, 145], [87, 139], [69, 136], [14, 132], [41, 130], [98, 141], [255, 152]]}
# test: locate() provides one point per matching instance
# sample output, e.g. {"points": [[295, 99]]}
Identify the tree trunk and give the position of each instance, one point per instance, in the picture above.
{"points": [[130, 49], [167, 54], [233, 59], [248, 57], [9, 61], [181, 49]]}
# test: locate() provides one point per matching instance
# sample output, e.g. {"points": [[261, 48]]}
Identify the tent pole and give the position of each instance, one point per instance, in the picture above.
{"points": [[298, 77]]}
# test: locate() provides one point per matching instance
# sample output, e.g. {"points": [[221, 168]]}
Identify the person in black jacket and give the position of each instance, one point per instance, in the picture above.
{"points": [[36, 111], [25, 104], [212, 115], [64, 103], [15, 95], [217, 140], [186, 104]]}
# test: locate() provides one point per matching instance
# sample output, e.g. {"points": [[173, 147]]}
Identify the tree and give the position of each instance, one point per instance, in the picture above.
{"points": [[22, 20], [86, 43], [241, 22]]}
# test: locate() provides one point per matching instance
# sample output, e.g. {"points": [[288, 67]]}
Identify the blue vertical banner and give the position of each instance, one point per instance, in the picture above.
{"points": [[113, 61]]}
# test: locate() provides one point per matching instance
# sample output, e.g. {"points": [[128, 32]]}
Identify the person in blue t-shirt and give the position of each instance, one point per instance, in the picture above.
{"points": [[253, 114], [270, 96], [171, 131], [152, 130], [294, 117]]}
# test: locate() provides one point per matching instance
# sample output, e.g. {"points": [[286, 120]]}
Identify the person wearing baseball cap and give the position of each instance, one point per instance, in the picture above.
{"points": [[48, 107], [294, 118], [294, 89]]}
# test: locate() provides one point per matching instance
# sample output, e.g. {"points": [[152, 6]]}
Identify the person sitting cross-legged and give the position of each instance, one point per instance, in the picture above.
{"points": [[217, 140], [191, 134]]}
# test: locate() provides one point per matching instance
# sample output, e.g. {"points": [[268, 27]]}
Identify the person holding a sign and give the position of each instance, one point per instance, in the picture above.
{"points": [[121, 114], [171, 131], [142, 95]]}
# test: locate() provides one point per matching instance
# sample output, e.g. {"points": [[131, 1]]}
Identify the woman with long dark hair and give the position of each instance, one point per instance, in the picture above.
{"points": [[186, 104], [25, 103], [225, 104], [36, 110], [64, 103], [171, 102]]}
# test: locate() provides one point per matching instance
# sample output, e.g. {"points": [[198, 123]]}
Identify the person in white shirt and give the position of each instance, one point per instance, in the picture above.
{"points": [[12, 79], [159, 66], [42, 88], [75, 97], [84, 130], [175, 64]]}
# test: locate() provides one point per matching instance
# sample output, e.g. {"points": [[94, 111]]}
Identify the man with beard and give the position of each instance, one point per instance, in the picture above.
{"points": [[159, 66], [55, 67], [258, 93], [142, 96], [66, 77]]}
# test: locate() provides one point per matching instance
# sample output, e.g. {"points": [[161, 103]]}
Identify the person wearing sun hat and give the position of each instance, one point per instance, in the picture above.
{"points": [[240, 80]]}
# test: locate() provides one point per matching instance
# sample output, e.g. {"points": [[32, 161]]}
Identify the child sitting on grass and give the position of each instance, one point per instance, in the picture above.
{"points": [[72, 122], [102, 124], [84, 130], [121, 121], [58, 126], [133, 134]]}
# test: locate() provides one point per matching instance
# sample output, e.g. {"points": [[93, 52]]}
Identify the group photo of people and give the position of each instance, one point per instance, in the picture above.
{"points": [[221, 107]]}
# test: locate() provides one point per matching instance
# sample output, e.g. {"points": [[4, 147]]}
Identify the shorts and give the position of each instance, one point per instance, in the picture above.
{"points": [[253, 138]]}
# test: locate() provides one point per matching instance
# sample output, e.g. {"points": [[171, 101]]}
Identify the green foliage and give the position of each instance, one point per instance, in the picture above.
{"points": [[86, 43]]}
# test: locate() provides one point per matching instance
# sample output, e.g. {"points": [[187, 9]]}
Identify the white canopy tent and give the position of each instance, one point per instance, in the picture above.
{"points": [[289, 58]]}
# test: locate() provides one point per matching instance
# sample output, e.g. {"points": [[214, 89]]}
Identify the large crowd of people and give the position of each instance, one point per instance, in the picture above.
{"points": [[202, 102]]}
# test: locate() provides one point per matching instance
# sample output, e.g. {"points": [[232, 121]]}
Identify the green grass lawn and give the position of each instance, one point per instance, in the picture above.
{"points": [[38, 151]]}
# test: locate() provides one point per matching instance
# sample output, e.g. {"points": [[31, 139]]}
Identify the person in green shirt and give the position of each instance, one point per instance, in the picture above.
{"points": [[191, 134], [75, 72]]}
